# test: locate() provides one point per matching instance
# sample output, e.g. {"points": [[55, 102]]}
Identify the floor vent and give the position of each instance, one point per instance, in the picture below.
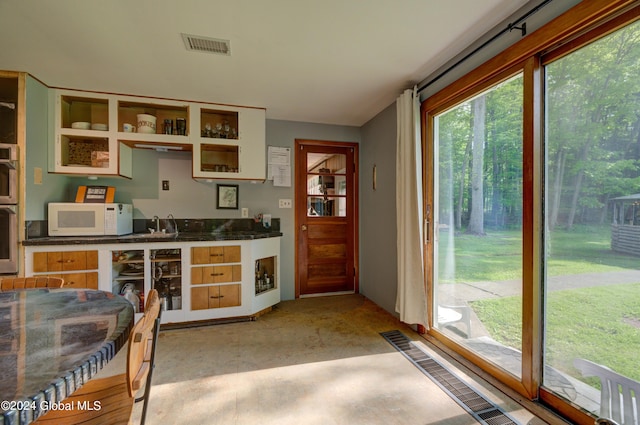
{"points": [[483, 410]]}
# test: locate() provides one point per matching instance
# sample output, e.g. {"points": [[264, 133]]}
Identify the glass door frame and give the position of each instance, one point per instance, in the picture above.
{"points": [[531, 356], [579, 26]]}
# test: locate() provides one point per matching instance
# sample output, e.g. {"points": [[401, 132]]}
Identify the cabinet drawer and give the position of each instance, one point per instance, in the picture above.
{"points": [[81, 280], [64, 261], [221, 296], [78, 280], [215, 254], [216, 274]]}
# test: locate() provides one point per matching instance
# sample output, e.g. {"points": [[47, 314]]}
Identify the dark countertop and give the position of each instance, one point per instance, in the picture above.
{"points": [[54, 341], [147, 237]]}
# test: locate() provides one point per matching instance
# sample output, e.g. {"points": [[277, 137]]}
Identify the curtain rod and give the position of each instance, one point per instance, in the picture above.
{"points": [[509, 28]]}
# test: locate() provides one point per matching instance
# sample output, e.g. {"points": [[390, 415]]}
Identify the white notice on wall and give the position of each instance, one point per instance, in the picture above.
{"points": [[279, 166]]}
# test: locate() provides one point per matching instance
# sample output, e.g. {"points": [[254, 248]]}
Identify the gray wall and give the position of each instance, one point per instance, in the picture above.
{"points": [[378, 262]]}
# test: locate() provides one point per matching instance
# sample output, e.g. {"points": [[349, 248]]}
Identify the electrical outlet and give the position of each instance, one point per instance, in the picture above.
{"points": [[284, 203], [245, 212]]}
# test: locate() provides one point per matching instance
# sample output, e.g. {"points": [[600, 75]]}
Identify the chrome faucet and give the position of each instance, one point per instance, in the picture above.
{"points": [[175, 225], [157, 220]]}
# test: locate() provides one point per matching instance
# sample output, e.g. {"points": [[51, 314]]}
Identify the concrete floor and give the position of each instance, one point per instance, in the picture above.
{"points": [[309, 361]]}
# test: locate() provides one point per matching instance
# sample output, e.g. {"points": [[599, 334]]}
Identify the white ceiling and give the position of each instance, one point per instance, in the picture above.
{"points": [[324, 61]]}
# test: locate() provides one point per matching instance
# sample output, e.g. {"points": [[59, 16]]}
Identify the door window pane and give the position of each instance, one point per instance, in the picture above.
{"points": [[478, 219], [326, 185], [592, 235]]}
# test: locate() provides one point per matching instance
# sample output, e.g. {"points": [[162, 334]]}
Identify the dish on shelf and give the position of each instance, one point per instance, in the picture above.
{"points": [[132, 272], [100, 127], [81, 125]]}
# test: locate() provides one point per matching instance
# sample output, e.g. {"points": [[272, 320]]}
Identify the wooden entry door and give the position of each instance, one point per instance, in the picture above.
{"points": [[326, 217]]}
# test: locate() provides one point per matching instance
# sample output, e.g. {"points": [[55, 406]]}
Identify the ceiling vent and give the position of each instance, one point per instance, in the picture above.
{"points": [[197, 43]]}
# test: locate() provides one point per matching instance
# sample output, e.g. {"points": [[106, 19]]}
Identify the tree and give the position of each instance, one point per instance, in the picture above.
{"points": [[476, 218]]}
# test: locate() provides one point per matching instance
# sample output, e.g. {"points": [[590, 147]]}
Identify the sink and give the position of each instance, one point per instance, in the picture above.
{"points": [[155, 235]]}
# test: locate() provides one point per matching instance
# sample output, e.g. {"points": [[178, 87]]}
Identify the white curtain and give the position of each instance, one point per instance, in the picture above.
{"points": [[411, 299]]}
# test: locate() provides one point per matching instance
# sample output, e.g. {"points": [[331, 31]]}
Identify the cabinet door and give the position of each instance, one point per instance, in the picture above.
{"points": [[54, 262], [92, 280], [197, 275], [229, 295], [218, 274], [221, 296], [200, 298], [75, 280], [41, 262], [232, 254], [200, 255], [74, 260], [92, 260]]}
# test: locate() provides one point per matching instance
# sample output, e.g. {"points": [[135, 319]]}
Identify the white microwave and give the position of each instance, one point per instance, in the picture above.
{"points": [[93, 219]]}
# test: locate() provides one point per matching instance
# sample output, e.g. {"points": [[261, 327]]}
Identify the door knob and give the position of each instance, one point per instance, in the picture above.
{"points": [[304, 227]]}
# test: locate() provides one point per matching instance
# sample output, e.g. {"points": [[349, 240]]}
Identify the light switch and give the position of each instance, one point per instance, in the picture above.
{"points": [[165, 184], [37, 175]]}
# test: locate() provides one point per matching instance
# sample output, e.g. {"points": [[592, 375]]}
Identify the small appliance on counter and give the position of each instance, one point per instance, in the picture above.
{"points": [[93, 219]]}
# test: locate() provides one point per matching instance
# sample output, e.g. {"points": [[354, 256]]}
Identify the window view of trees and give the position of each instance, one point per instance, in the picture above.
{"points": [[592, 269], [593, 129], [479, 219], [481, 160]]}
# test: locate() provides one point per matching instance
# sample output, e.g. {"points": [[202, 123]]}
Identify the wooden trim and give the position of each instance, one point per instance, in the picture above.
{"points": [[553, 33], [572, 412], [531, 226], [613, 24], [21, 136], [300, 176]]}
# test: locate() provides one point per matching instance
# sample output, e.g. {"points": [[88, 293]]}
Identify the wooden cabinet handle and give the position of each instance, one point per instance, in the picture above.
{"points": [[216, 255], [217, 274], [65, 261], [216, 296]]}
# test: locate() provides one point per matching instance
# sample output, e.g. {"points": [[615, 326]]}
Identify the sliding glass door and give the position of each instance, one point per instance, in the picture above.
{"points": [[478, 159], [532, 211], [592, 232]]}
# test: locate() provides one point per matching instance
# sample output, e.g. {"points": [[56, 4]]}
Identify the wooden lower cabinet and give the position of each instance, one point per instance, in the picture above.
{"points": [[220, 296], [216, 274], [215, 254], [83, 263], [57, 261]]}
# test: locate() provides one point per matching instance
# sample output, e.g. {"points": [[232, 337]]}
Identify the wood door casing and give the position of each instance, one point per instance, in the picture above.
{"points": [[326, 249]]}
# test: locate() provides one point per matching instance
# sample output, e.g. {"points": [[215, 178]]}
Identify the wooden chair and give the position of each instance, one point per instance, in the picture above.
{"points": [[619, 395], [9, 283], [116, 394]]}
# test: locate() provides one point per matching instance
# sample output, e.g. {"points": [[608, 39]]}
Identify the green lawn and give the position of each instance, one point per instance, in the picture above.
{"points": [[498, 255], [601, 324]]}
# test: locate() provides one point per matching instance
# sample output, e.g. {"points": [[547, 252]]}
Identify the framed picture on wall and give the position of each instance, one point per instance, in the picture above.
{"points": [[227, 197]]}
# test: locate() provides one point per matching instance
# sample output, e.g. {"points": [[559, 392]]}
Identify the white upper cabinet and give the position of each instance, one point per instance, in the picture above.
{"points": [[84, 137], [94, 134], [228, 142]]}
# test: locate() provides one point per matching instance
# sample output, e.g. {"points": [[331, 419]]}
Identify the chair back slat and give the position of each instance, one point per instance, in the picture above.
{"points": [[10, 283], [140, 344]]}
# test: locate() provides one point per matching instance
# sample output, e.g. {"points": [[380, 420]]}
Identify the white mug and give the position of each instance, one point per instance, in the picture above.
{"points": [[146, 123], [128, 128]]}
